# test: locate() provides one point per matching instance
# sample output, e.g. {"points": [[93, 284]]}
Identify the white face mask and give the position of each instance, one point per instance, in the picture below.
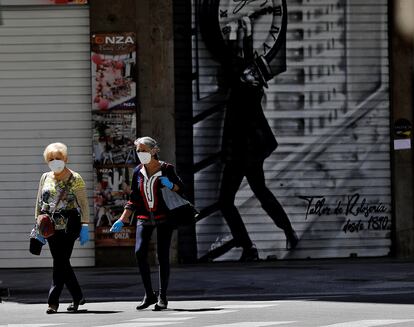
{"points": [[144, 157], [56, 166]]}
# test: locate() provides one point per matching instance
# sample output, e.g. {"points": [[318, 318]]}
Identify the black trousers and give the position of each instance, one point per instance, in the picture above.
{"points": [[143, 238], [233, 174], [61, 246]]}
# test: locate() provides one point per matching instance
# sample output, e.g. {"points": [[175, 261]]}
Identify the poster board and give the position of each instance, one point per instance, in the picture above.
{"points": [[113, 62]]}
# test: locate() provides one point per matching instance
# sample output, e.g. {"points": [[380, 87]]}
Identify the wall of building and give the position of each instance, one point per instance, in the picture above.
{"points": [[402, 88], [330, 113], [44, 98]]}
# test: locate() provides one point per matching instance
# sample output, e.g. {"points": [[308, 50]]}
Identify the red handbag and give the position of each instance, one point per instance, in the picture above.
{"points": [[45, 225]]}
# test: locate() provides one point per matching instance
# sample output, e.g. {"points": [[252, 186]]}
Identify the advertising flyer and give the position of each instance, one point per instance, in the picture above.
{"points": [[113, 61], [111, 193], [113, 71], [113, 138]]}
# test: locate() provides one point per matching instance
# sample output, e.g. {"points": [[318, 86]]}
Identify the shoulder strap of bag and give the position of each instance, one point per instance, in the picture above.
{"points": [[62, 193]]}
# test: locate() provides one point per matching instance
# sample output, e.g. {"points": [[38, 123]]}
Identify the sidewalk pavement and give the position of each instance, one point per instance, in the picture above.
{"points": [[229, 280]]}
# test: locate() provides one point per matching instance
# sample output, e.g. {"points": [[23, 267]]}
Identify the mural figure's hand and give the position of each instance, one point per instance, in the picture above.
{"points": [[247, 26], [251, 76]]}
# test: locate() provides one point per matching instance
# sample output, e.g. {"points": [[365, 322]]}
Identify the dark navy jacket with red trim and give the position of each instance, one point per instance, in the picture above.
{"points": [[138, 201]]}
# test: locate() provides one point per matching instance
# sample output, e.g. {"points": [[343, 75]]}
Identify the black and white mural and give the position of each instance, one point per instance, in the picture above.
{"points": [[291, 128]]}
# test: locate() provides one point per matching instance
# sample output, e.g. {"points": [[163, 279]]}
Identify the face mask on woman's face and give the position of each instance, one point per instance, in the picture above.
{"points": [[144, 157], [56, 166]]}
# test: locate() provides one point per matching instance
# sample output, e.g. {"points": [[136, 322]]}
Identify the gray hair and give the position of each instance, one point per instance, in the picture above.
{"points": [[148, 141]]}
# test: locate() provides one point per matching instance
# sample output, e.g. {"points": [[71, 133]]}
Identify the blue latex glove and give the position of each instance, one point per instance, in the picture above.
{"points": [[166, 182], [41, 239], [37, 236], [84, 235], [117, 226]]}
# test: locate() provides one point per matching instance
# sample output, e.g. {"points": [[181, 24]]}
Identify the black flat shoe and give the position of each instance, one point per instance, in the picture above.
{"points": [[250, 254], [51, 309], [73, 307], [147, 301], [292, 240], [161, 304]]}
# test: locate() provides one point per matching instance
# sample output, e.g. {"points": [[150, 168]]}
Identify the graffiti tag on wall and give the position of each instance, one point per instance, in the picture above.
{"points": [[372, 216]]}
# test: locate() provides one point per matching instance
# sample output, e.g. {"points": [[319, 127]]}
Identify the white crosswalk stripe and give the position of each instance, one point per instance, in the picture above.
{"points": [[142, 324], [31, 325], [209, 312], [253, 324], [369, 323], [157, 321], [171, 319], [245, 306]]}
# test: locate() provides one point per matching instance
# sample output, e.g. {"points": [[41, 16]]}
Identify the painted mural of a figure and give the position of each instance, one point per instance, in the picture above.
{"points": [[247, 137]]}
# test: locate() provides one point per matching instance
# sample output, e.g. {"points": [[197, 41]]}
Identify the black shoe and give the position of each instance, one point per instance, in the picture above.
{"points": [[147, 301], [291, 240], [162, 303], [51, 309], [73, 307], [249, 254]]}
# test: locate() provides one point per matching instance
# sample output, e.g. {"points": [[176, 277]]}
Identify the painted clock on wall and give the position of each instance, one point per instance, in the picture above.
{"points": [[268, 20]]}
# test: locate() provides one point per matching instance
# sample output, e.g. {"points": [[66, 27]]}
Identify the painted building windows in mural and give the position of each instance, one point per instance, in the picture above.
{"points": [[314, 76]]}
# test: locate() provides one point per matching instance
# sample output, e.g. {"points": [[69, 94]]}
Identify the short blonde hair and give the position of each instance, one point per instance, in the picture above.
{"points": [[56, 147]]}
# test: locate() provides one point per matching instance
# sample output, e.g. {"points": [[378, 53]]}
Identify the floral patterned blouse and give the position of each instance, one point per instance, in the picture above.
{"points": [[50, 189]]}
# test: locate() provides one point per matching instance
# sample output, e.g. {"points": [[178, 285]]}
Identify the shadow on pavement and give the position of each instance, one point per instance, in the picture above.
{"points": [[365, 280]]}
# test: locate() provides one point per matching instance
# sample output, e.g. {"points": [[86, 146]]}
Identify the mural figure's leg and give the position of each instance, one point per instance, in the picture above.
{"points": [[256, 179], [232, 177]]}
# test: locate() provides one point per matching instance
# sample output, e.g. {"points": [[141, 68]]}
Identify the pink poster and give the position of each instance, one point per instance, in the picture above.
{"points": [[113, 71]]}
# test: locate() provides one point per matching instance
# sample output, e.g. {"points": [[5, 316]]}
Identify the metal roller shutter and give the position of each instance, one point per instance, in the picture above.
{"points": [[44, 97], [330, 113]]}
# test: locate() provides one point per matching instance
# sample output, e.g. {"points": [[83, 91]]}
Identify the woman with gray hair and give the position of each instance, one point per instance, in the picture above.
{"points": [[148, 206]]}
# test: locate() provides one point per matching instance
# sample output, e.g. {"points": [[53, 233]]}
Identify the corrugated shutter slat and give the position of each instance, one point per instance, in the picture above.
{"points": [[44, 97]]}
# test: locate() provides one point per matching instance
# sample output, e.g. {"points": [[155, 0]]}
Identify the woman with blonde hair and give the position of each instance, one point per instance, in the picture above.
{"points": [[62, 195]]}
